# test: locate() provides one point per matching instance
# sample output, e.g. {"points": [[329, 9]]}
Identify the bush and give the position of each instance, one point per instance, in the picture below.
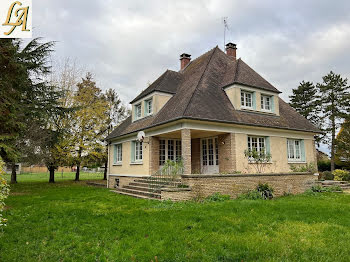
{"points": [[341, 175], [217, 197], [4, 192], [320, 189], [326, 175], [311, 167], [324, 165], [262, 191]]}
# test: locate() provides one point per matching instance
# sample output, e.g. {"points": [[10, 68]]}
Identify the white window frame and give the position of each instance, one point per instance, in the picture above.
{"points": [[138, 154], [258, 140], [176, 150], [119, 154], [138, 113], [293, 149], [244, 99], [264, 99], [149, 107]]}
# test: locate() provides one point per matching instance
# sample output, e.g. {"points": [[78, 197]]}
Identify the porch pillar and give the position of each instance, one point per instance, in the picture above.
{"points": [[186, 150], [153, 155]]}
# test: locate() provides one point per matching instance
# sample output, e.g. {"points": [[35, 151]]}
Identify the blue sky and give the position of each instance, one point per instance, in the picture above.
{"points": [[127, 44]]}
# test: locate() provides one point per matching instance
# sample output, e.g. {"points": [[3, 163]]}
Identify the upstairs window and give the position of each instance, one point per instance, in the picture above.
{"points": [[266, 103], [148, 107], [137, 111], [246, 99]]}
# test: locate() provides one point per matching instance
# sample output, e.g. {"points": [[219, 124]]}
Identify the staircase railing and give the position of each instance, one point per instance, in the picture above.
{"points": [[167, 176]]}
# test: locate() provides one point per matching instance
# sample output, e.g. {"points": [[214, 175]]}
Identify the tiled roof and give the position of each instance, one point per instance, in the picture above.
{"points": [[198, 93]]}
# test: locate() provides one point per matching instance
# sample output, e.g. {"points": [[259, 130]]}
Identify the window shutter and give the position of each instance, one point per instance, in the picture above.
{"points": [[132, 145], [288, 148], [267, 141], [254, 100], [273, 103], [114, 154], [302, 148]]}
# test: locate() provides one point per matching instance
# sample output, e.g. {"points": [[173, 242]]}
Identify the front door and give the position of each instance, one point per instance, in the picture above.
{"points": [[209, 155]]}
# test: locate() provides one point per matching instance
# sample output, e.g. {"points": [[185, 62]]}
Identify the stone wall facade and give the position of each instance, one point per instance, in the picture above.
{"points": [[227, 153], [123, 180], [233, 185], [154, 155]]}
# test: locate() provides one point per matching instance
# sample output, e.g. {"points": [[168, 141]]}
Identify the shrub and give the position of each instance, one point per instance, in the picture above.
{"points": [[4, 192], [217, 197], [262, 191], [324, 165], [326, 175], [341, 175], [311, 167], [320, 189], [259, 159]]}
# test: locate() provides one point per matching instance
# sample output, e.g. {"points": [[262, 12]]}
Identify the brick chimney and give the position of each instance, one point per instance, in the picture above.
{"points": [[231, 50], [184, 60]]}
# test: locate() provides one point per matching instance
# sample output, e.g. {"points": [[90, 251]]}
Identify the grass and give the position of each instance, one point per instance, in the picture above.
{"points": [[69, 221], [59, 176]]}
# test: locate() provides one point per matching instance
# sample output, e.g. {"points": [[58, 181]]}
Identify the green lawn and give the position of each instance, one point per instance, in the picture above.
{"points": [[69, 221], [59, 176]]}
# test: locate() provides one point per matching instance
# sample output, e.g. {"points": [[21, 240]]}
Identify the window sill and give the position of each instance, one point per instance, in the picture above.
{"points": [[253, 162], [296, 162], [136, 163], [117, 164], [247, 108]]}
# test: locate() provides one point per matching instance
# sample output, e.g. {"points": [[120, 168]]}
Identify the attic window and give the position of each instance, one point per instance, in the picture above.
{"points": [[137, 111], [266, 103], [148, 107], [246, 99]]}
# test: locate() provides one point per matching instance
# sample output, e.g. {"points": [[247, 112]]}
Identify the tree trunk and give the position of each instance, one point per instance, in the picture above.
{"points": [[52, 174], [333, 144], [13, 173], [105, 171], [77, 173]]}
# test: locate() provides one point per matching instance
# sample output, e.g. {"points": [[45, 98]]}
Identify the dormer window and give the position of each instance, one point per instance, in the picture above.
{"points": [[148, 107], [266, 103], [137, 111], [247, 99]]}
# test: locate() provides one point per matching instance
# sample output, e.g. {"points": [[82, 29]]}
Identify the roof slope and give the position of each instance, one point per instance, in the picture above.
{"points": [[199, 94]]}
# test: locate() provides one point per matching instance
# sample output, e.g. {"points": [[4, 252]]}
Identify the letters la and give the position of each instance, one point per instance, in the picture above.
{"points": [[21, 14]]}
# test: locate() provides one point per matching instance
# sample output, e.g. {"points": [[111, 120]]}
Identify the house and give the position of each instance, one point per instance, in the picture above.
{"points": [[208, 113]]}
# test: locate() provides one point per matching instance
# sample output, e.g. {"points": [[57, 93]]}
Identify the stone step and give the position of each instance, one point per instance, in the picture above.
{"points": [[332, 182], [142, 188], [133, 195], [137, 192], [140, 184], [161, 181], [341, 186]]}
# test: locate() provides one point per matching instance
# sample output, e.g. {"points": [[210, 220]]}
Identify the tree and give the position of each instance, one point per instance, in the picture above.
{"points": [[342, 146], [304, 101], [115, 114], [4, 192], [88, 120], [26, 95], [334, 101]]}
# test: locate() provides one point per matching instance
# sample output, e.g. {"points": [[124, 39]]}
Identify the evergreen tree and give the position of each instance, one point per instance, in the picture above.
{"points": [[304, 101], [334, 100], [26, 96], [342, 146]]}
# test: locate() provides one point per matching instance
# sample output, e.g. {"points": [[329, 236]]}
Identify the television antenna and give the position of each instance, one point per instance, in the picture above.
{"points": [[224, 21]]}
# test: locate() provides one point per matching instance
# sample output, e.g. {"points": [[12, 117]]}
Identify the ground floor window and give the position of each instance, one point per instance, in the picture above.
{"points": [[257, 143], [169, 149], [295, 149], [136, 152], [118, 154]]}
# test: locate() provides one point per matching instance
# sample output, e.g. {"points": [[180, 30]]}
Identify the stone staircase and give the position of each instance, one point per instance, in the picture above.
{"points": [[148, 188], [345, 185]]}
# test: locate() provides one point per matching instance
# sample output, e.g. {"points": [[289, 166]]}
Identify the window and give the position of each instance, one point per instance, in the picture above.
{"points": [[137, 111], [246, 99], [295, 150], [169, 149], [138, 151], [148, 107], [257, 143], [118, 154], [266, 103]]}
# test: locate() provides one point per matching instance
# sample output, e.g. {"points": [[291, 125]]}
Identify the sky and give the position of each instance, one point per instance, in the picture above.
{"points": [[129, 44]]}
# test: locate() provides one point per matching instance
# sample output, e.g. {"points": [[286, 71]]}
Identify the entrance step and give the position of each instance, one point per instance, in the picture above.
{"points": [[133, 195]]}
